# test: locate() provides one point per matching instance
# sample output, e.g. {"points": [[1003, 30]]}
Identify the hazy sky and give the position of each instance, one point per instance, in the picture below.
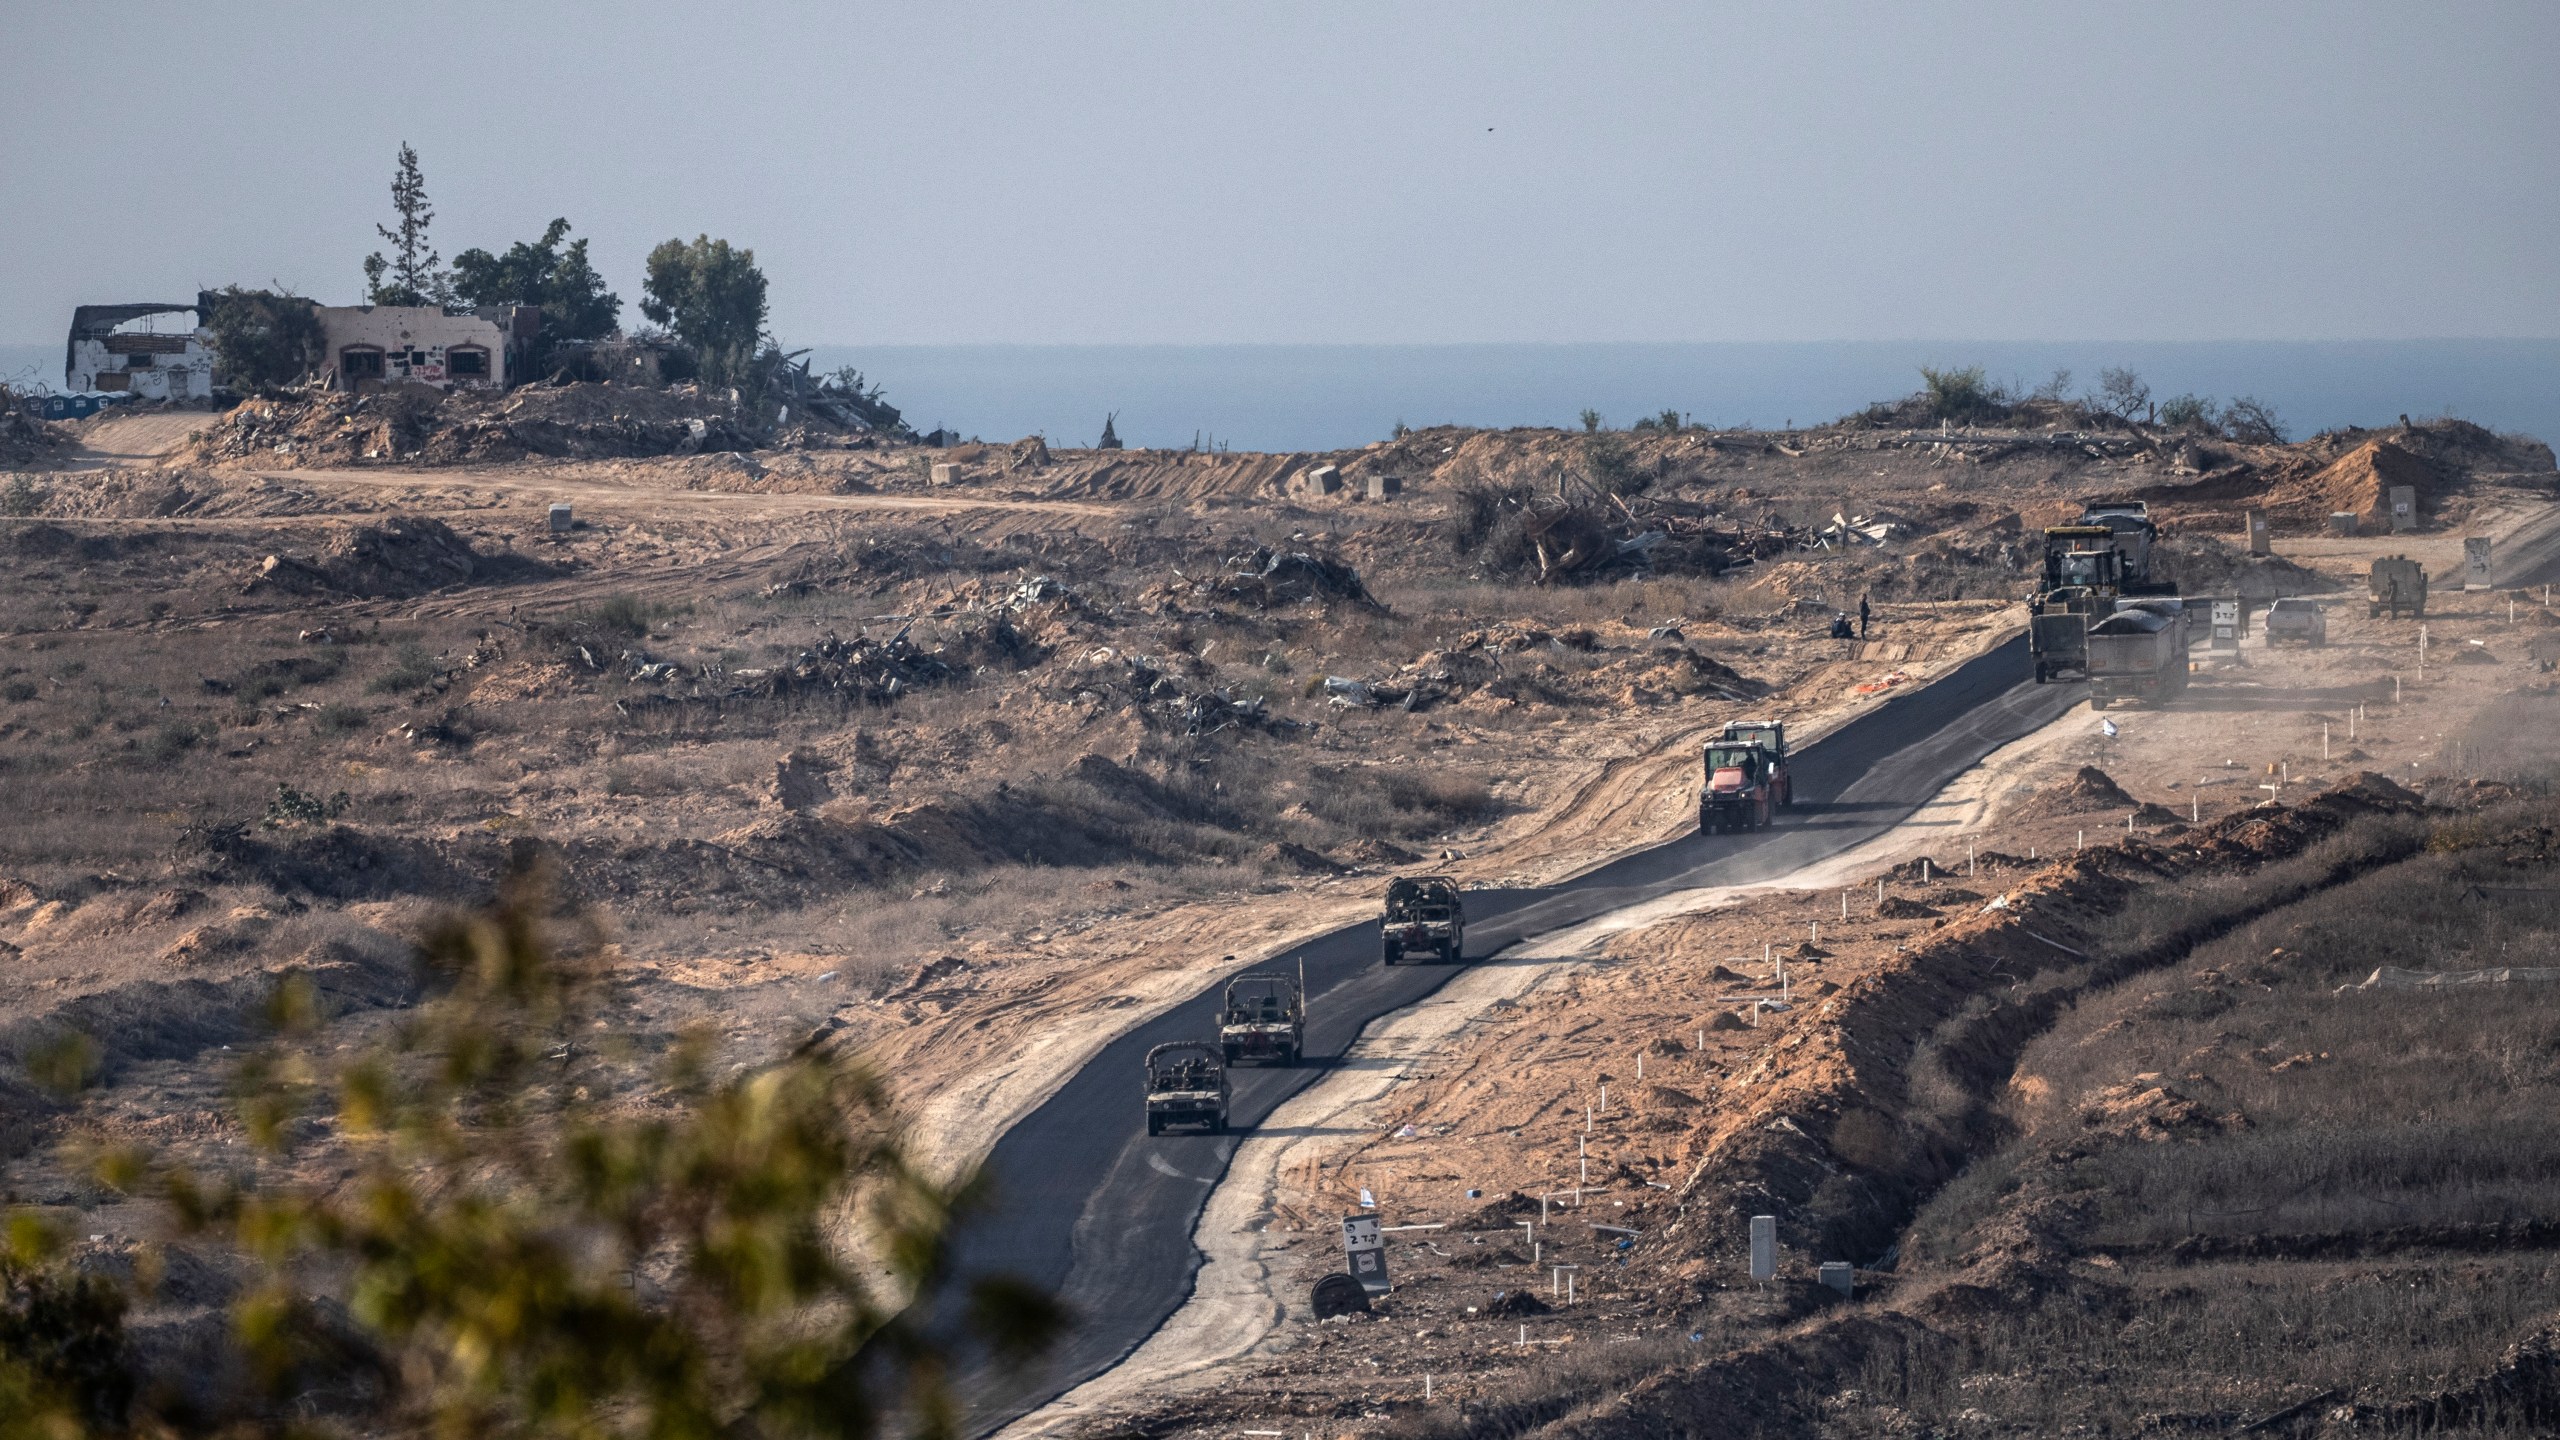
{"points": [[1362, 172]]}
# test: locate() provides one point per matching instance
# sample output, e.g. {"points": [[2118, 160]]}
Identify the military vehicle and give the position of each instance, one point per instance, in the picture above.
{"points": [[2139, 653], [1769, 735], [1739, 793], [1264, 1019], [1186, 1085], [2397, 583], [1424, 913], [2088, 567], [2300, 622]]}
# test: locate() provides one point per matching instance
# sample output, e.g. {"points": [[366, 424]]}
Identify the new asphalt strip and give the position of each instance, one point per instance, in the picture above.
{"points": [[1087, 1205]]}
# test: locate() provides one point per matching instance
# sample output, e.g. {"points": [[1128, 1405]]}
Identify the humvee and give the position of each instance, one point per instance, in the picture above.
{"points": [[1424, 914], [1264, 1019], [1186, 1085]]}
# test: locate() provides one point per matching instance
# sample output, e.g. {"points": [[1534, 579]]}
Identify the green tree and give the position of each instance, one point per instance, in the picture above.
{"points": [[2188, 411], [575, 303], [713, 296], [1962, 394], [266, 339], [527, 1258], [410, 276]]}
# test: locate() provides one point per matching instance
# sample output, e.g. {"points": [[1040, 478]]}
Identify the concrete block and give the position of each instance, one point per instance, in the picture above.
{"points": [[1764, 1247], [2260, 541], [1324, 479], [1382, 487], [2404, 508], [563, 520], [2342, 522], [1840, 1275], [945, 473]]}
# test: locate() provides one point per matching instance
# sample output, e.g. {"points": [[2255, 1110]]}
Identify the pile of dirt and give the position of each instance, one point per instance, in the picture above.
{"points": [[26, 440], [398, 558], [2360, 482], [418, 426], [2206, 566], [2090, 789]]}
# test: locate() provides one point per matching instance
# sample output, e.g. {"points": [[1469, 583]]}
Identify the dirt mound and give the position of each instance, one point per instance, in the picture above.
{"points": [[2206, 566], [397, 558], [2090, 789], [2359, 481], [425, 427], [1895, 907], [26, 440]]}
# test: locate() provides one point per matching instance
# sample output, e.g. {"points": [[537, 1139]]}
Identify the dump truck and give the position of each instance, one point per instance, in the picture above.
{"points": [[1769, 735], [1186, 1085], [2299, 622], [1264, 1019], [1739, 793], [1424, 913], [2397, 583], [2139, 653]]}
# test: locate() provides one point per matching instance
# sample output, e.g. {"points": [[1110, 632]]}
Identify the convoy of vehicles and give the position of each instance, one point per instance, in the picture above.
{"points": [[1186, 1085], [1424, 913], [2089, 567], [1264, 1019]]}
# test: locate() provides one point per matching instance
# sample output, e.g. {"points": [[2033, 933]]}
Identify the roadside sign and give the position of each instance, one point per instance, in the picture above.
{"points": [[2475, 563], [2404, 508], [2226, 625], [1366, 1250]]}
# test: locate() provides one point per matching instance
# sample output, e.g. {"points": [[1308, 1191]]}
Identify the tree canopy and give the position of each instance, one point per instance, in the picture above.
{"points": [[265, 339], [575, 303], [713, 296], [410, 276]]}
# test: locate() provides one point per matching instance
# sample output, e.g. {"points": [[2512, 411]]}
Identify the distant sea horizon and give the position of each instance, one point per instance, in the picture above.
{"points": [[1323, 397]]}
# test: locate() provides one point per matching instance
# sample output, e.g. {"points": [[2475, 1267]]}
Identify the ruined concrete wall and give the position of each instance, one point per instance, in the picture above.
{"points": [[418, 345], [175, 364]]}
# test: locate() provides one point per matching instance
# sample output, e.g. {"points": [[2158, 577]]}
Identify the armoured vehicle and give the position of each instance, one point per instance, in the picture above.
{"points": [[1424, 913], [1186, 1085], [1263, 1020], [2397, 583]]}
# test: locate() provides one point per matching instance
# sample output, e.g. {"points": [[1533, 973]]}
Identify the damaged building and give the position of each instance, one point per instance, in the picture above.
{"points": [[164, 351], [153, 352], [374, 346]]}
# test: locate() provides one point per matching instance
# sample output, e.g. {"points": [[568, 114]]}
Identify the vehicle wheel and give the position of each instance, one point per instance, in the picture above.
{"points": [[1154, 1126], [1218, 1126], [1230, 1053], [1393, 955], [1449, 954], [1295, 1053]]}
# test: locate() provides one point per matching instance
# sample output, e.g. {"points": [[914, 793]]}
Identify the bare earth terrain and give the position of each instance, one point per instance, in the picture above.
{"points": [[972, 775]]}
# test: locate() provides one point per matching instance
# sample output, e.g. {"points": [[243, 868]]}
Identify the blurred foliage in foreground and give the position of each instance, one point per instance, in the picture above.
{"points": [[511, 1254]]}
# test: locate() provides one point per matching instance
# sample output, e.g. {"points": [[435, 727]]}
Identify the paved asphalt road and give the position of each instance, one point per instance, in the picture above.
{"points": [[1088, 1205]]}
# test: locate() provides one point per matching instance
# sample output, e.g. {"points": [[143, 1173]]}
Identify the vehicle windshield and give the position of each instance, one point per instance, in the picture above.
{"points": [[1738, 758]]}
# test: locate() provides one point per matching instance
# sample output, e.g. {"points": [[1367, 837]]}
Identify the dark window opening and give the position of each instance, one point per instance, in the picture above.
{"points": [[467, 362], [357, 364]]}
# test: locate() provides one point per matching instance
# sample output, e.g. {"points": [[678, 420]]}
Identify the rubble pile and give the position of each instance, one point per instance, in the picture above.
{"points": [[396, 558], [425, 427], [24, 438], [860, 670]]}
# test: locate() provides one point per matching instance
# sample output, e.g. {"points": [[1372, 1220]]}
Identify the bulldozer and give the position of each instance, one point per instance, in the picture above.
{"points": [[1263, 1019]]}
